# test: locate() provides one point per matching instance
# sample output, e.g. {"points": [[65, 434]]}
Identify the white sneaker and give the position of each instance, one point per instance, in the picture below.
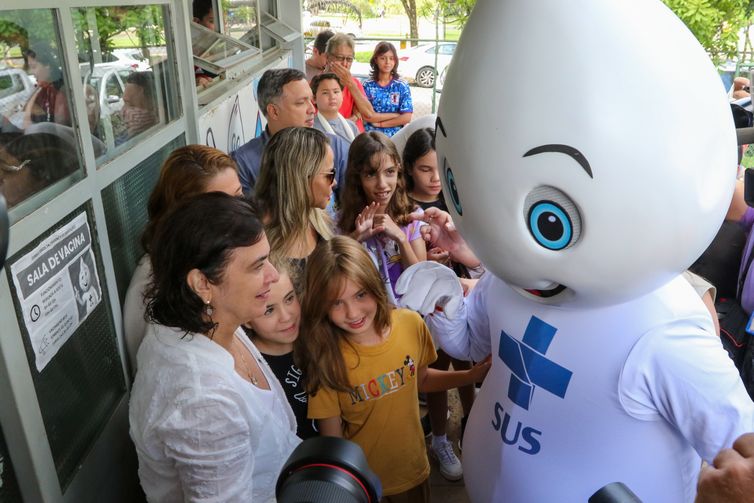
{"points": [[450, 466]]}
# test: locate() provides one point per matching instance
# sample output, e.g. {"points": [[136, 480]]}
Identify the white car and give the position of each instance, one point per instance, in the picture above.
{"points": [[441, 79], [418, 63], [16, 87], [109, 82], [132, 58], [122, 58]]}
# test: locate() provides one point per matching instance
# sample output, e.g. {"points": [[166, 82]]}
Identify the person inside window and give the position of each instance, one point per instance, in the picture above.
{"points": [[48, 103], [204, 14], [139, 105]]}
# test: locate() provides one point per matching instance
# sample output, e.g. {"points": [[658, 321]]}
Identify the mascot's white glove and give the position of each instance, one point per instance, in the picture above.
{"points": [[428, 285]]}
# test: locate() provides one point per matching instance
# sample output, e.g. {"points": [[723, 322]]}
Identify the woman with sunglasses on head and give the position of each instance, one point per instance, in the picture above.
{"points": [[208, 417], [295, 185]]}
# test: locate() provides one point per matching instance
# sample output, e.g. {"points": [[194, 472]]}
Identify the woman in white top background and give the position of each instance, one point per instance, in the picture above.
{"points": [[209, 419]]}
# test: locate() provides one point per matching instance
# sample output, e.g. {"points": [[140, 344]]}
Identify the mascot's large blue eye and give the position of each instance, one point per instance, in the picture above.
{"points": [[552, 218], [550, 225], [450, 181]]}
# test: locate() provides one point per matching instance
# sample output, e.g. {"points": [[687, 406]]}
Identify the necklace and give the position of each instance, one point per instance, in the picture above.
{"points": [[252, 378]]}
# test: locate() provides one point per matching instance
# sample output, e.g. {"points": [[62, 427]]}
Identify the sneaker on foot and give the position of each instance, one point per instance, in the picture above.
{"points": [[450, 466]]}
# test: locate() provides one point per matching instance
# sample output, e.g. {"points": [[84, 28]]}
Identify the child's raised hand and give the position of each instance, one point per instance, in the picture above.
{"points": [[480, 369], [439, 229], [390, 228], [365, 225]]}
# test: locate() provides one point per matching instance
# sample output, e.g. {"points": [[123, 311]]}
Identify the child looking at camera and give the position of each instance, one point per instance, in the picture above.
{"points": [[365, 363], [274, 333], [328, 96]]}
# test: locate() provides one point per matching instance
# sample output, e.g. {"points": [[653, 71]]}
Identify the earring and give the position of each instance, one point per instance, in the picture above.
{"points": [[208, 310]]}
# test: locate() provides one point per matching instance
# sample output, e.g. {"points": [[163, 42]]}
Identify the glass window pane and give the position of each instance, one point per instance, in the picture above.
{"points": [[128, 72], [213, 47], [215, 54], [278, 29], [447, 49], [240, 19], [38, 146]]}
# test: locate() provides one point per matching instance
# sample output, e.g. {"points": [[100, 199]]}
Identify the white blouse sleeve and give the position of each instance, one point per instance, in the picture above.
{"points": [[209, 440]]}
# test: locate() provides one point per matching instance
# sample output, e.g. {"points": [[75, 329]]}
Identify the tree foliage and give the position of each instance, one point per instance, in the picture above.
{"points": [[716, 24], [105, 23], [456, 11]]}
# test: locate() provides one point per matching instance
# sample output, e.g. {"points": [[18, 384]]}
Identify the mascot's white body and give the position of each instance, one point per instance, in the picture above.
{"points": [[588, 157]]}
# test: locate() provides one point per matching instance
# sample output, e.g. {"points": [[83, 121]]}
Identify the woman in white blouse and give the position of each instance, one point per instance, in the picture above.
{"points": [[209, 419]]}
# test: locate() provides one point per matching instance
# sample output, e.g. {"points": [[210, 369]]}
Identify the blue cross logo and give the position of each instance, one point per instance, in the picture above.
{"points": [[529, 366]]}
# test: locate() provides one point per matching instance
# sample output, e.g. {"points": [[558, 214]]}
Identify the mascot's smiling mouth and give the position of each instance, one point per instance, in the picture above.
{"points": [[551, 292]]}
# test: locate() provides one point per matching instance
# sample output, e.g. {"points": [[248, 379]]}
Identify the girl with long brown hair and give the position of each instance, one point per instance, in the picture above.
{"points": [[375, 207], [365, 363]]}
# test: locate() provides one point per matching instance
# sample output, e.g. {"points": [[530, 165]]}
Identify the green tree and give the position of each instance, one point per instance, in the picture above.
{"points": [[456, 11], [716, 24]]}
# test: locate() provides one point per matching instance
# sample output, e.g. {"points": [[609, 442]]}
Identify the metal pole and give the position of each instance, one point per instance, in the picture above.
{"points": [[437, 48]]}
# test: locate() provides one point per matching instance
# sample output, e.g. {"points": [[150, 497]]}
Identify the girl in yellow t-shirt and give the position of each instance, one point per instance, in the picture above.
{"points": [[365, 363]]}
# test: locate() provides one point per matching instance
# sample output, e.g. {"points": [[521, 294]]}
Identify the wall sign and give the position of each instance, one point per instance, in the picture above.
{"points": [[58, 287]]}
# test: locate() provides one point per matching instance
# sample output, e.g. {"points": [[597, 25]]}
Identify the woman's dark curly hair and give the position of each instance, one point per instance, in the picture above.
{"points": [[200, 233], [379, 50]]}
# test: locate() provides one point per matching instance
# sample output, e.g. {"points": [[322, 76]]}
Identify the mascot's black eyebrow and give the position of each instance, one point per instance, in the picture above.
{"points": [[563, 149], [440, 127]]}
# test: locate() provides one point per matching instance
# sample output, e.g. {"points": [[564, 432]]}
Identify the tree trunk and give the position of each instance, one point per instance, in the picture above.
{"points": [[410, 7]]}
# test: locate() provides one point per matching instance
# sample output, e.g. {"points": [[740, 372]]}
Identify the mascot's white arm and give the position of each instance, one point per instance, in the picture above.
{"points": [[680, 373], [462, 328]]}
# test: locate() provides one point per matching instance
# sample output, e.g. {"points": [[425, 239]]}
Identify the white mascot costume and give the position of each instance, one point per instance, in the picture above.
{"points": [[588, 156]]}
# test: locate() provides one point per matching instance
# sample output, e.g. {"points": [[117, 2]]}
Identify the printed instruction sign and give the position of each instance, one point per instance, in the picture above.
{"points": [[58, 287]]}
